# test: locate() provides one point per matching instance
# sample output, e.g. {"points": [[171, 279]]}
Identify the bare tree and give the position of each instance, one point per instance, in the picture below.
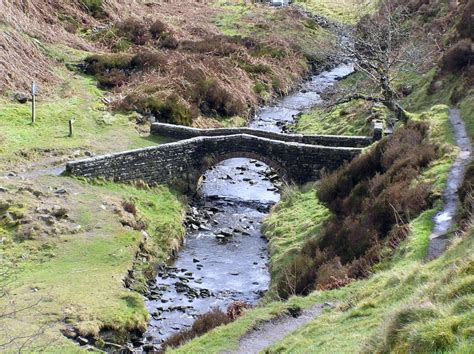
{"points": [[376, 44]]}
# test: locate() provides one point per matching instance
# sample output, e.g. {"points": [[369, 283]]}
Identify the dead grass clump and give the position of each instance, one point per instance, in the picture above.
{"points": [[202, 325], [158, 29], [217, 45], [129, 207], [458, 57], [236, 309], [372, 199], [135, 30]]}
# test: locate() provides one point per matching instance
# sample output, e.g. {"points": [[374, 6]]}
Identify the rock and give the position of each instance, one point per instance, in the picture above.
{"points": [[76, 153], [20, 97], [59, 212], [60, 191], [195, 260], [11, 174], [149, 347], [88, 153], [3, 189], [48, 219], [225, 233], [407, 90], [82, 340], [234, 273]]}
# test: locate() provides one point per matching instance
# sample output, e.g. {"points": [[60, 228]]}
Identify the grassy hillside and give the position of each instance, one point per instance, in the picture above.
{"points": [[405, 304], [65, 258]]}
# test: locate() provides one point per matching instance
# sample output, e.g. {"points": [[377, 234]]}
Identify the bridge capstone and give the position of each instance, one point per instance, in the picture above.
{"points": [[182, 163], [180, 132]]}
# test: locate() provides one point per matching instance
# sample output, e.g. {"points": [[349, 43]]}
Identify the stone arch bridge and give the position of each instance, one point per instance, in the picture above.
{"points": [[296, 158]]}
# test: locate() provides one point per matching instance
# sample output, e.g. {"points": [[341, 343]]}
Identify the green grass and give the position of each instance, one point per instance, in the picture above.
{"points": [[298, 216], [265, 23], [367, 308], [375, 315], [94, 129], [347, 11], [78, 278], [392, 311], [343, 119]]}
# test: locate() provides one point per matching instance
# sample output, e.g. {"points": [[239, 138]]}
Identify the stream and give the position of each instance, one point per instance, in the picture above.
{"points": [[225, 256]]}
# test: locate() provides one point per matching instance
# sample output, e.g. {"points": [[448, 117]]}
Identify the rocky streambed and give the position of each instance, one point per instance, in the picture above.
{"points": [[225, 256]]}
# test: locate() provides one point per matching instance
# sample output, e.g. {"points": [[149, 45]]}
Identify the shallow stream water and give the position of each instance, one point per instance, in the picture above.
{"points": [[225, 256]]}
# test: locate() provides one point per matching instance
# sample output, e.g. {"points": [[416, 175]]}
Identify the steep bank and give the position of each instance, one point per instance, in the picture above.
{"points": [[406, 305]]}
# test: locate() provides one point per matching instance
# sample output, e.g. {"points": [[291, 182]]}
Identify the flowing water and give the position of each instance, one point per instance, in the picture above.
{"points": [[225, 256]]}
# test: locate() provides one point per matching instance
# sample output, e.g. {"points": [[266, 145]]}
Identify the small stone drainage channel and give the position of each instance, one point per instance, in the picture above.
{"points": [[225, 256]]}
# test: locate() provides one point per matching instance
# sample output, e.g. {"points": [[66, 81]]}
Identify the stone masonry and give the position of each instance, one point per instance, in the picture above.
{"points": [[182, 163], [180, 132]]}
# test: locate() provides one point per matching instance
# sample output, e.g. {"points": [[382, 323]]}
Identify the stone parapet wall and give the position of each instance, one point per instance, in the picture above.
{"points": [[180, 132]]}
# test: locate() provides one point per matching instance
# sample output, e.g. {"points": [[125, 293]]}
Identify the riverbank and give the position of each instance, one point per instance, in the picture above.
{"points": [[67, 246], [101, 239]]}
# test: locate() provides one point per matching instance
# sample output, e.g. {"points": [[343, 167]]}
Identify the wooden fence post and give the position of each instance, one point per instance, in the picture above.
{"points": [[71, 122]]}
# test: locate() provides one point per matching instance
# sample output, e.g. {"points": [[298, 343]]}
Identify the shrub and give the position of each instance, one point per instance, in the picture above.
{"points": [[212, 98], [94, 7], [135, 30], [465, 25], [147, 60], [255, 68], [157, 29], [168, 110], [458, 57], [168, 41], [259, 88], [171, 110], [111, 79], [100, 64], [372, 199], [202, 325], [298, 277]]}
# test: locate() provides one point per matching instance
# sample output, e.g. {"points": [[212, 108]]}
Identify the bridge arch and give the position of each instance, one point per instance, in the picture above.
{"points": [[211, 160]]}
